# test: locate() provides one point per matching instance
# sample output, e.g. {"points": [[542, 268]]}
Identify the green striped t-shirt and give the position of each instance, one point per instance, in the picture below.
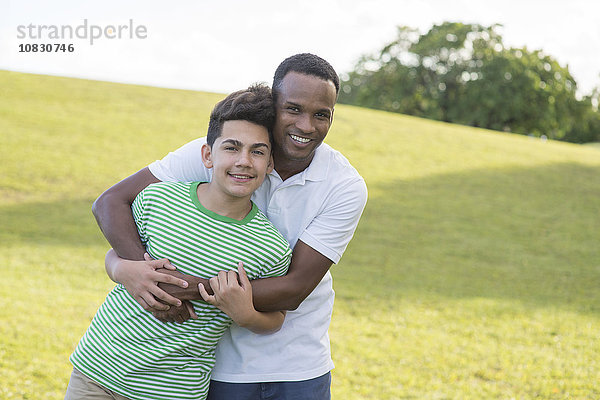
{"points": [[130, 352]]}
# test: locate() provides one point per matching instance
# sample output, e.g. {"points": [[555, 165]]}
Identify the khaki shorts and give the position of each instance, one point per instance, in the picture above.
{"points": [[83, 388]]}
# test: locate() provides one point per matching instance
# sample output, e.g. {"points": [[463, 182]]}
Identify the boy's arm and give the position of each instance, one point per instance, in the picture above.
{"points": [[234, 298], [113, 214]]}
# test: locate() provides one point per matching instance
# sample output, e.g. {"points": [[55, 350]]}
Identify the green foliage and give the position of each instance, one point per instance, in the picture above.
{"points": [[464, 74], [474, 272], [586, 120]]}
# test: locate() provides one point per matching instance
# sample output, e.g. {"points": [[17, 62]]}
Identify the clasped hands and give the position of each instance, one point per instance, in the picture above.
{"points": [[160, 289]]}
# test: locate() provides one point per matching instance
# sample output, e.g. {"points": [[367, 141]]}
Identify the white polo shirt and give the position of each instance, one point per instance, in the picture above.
{"points": [[320, 206]]}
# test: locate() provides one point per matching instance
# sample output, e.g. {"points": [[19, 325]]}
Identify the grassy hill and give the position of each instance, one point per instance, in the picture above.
{"points": [[474, 273]]}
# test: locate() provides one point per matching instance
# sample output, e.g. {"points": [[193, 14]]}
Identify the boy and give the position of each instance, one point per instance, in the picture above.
{"points": [[126, 351]]}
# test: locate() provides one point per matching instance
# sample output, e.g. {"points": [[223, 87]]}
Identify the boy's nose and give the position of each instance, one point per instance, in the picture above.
{"points": [[243, 159]]}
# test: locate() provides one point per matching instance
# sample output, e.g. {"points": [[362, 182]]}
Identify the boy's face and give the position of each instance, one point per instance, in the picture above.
{"points": [[240, 158]]}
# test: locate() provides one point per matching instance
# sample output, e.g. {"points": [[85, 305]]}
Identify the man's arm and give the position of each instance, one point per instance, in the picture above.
{"points": [[320, 245], [308, 266], [113, 214], [306, 270], [233, 296], [329, 232]]}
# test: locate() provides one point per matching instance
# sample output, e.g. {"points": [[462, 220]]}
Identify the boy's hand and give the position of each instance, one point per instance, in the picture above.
{"points": [[141, 280], [231, 296], [234, 298]]}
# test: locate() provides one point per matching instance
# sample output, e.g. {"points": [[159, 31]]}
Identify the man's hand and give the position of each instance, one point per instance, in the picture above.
{"points": [[176, 314], [141, 280]]}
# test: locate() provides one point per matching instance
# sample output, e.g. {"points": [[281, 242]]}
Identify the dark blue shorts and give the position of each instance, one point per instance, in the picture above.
{"points": [[311, 389]]}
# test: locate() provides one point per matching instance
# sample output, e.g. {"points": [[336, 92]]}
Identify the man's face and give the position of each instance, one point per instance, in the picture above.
{"points": [[304, 112], [240, 158]]}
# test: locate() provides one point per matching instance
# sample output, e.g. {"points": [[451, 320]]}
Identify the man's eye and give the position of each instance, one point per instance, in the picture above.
{"points": [[293, 109], [230, 148], [259, 152]]}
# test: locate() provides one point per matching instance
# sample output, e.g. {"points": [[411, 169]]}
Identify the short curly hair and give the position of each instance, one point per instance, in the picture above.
{"points": [[307, 64], [254, 104]]}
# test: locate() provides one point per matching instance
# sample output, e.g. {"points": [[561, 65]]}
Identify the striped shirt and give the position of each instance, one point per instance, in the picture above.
{"points": [[130, 352]]}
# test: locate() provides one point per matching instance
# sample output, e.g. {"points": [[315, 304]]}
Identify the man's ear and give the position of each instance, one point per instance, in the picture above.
{"points": [[207, 156]]}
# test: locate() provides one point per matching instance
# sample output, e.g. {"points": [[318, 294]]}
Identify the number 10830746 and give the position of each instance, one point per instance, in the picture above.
{"points": [[46, 48]]}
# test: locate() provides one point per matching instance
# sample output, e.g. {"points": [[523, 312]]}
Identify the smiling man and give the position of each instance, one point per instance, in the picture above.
{"points": [[304, 114], [315, 199]]}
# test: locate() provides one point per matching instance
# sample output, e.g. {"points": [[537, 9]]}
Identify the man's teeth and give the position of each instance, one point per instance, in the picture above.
{"points": [[300, 139]]}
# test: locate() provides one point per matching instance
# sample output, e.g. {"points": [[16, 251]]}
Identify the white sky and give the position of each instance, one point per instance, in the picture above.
{"points": [[225, 45]]}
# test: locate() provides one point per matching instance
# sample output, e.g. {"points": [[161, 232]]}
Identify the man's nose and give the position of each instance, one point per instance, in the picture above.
{"points": [[305, 123]]}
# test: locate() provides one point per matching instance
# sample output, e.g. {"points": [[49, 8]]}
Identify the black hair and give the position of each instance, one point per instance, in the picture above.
{"points": [[254, 104], [307, 64]]}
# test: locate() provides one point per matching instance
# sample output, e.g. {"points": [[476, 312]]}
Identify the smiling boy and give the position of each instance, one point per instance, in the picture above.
{"points": [[126, 352]]}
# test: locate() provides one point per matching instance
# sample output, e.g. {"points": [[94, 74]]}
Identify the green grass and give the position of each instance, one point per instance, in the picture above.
{"points": [[594, 144], [474, 273]]}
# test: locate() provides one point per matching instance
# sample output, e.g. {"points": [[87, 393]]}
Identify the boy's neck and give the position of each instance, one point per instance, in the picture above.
{"points": [[218, 202]]}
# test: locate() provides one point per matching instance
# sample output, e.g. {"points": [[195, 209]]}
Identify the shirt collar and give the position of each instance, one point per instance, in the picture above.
{"points": [[316, 170]]}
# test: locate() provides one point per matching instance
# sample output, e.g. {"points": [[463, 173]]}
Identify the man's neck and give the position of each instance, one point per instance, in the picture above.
{"points": [[287, 168], [220, 203]]}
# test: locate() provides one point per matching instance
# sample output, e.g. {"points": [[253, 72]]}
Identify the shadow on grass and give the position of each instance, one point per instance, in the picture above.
{"points": [[64, 222], [522, 234], [530, 235]]}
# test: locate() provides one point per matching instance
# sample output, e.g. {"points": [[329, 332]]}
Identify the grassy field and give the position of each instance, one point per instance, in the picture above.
{"points": [[474, 274]]}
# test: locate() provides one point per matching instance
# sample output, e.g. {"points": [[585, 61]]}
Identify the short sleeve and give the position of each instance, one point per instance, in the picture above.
{"points": [[281, 267], [139, 216], [182, 165], [330, 232]]}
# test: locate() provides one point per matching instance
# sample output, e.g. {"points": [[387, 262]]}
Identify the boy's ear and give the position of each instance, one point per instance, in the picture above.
{"points": [[207, 156], [271, 164]]}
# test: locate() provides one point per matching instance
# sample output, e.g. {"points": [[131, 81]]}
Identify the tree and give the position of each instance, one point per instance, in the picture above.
{"points": [[463, 73]]}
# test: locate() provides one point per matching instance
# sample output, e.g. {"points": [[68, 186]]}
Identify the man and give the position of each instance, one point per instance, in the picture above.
{"points": [[314, 197], [126, 352]]}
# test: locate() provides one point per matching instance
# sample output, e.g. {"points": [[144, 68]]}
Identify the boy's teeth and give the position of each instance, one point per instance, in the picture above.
{"points": [[300, 139]]}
